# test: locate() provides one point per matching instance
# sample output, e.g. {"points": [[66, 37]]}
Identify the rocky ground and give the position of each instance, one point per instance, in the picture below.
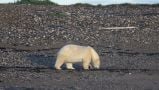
{"points": [[31, 35]]}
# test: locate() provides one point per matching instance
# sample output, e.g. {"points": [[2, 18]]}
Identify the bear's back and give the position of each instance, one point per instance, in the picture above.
{"points": [[72, 49]]}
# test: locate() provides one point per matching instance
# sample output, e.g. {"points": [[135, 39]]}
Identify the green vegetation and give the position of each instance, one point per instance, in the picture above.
{"points": [[155, 5], [129, 4], [123, 4], [36, 2], [48, 2], [84, 4]]}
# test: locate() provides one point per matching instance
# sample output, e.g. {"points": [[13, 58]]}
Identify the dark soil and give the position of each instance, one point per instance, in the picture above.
{"points": [[31, 35]]}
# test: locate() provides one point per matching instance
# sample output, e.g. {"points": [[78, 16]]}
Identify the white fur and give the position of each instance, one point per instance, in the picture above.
{"points": [[70, 54]]}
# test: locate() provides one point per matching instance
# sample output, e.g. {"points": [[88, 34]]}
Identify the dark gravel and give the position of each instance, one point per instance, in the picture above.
{"points": [[31, 35]]}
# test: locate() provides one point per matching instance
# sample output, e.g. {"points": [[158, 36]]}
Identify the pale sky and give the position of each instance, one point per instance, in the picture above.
{"points": [[95, 2]]}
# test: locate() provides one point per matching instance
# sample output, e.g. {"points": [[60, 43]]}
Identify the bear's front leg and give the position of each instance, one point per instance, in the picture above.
{"points": [[69, 66], [86, 64]]}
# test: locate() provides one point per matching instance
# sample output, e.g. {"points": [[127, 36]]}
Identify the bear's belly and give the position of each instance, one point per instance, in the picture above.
{"points": [[74, 60]]}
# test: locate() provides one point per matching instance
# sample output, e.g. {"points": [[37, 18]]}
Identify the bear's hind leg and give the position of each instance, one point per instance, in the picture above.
{"points": [[59, 63], [69, 66]]}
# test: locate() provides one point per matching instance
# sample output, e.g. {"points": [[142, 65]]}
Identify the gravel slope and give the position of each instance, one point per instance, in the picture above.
{"points": [[30, 37]]}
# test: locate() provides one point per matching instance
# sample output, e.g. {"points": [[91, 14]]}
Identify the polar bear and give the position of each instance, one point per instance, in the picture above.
{"points": [[71, 53]]}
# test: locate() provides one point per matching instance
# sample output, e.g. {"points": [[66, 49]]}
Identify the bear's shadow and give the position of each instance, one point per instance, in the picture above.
{"points": [[47, 61]]}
